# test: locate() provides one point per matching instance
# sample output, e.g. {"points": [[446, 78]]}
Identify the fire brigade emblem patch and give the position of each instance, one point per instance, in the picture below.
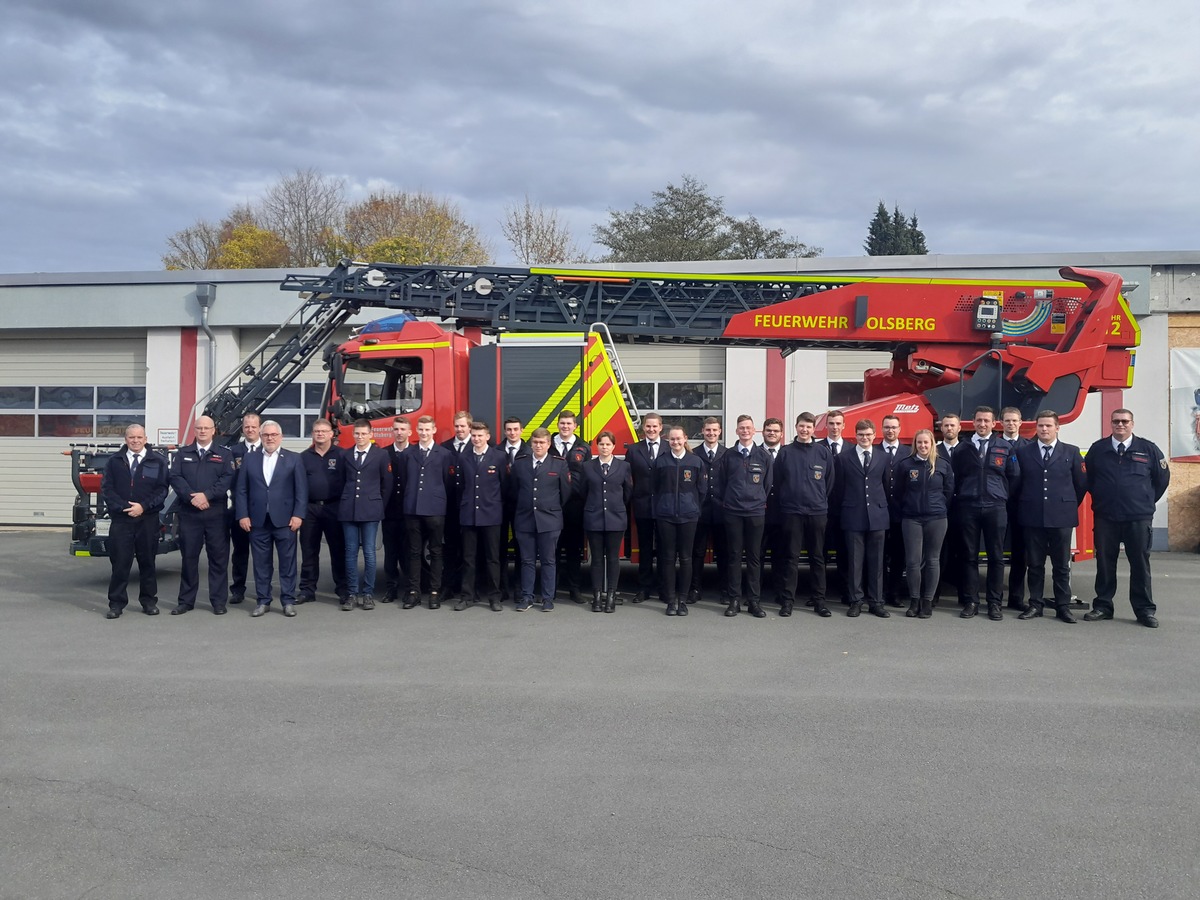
{"points": [[755, 478], [687, 475], [1162, 463], [331, 462], [998, 461], [913, 474], [818, 474]]}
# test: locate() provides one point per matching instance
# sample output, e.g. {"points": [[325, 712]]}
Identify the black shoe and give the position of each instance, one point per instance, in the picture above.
{"points": [[896, 604], [854, 611], [810, 602], [1148, 620], [822, 610], [1033, 611], [495, 606], [672, 608], [880, 610], [220, 611], [575, 596], [389, 597], [180, 610], [995, 613], [1019, 605], [683, 610], [289, 609], [412, 600], [236, 600], [113, 614], [642, 597], [259, 610], [368, 602], [347, 604], [306, 598], [435, 601], [150, 610], [732, 609], [1064, 615], [610, 603], [693, 596], [1097, 615], [785, 609], [462, 604], [969, 610], [757, 611]]}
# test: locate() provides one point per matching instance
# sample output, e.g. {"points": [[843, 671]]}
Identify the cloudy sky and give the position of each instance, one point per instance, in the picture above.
{"points": [[1006, 126]]}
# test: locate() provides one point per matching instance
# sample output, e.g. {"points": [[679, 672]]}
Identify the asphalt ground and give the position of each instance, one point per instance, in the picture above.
{"points": [[432, 754]]}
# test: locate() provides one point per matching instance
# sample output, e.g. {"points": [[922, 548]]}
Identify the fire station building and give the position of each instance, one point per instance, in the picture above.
{"points": [[84, 354]]}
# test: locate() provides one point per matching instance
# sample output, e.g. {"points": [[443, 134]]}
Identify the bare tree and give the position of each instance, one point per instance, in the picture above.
{"points": [[537, 236], [195, 247], [302, 209]]}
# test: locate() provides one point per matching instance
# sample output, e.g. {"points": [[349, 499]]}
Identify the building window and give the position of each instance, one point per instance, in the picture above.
{"points": [[686, 403], [297, 405], [845, 393], [77, 412]]}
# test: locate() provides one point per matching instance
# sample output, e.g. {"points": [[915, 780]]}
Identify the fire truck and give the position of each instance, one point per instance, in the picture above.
{"points": [[531, 342]]}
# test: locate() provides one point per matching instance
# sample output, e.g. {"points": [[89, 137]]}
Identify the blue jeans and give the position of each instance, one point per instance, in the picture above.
{"points": [[360, 534]]}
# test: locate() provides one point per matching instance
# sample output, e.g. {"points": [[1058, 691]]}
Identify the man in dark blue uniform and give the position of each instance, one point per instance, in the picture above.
{"points": [[835, 440], [711, 527], [451, 533], [569, 446], [365, 494], [395, 552], [860, 495], [326, 473], [429, 474], [512, 446], [1126, 476], [134, 487], [893, 542], [641, 457], [1047, 509], [803, 480], [743, 477], [541, 486], [985, 475], [484, 476], [201, 475], [1010, 421], [239, 539], [775, 541]]}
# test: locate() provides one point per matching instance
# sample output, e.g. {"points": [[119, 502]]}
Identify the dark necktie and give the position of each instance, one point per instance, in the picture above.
{"points": [[604, 469], [359, 455], [773, 449], [202, 453], [837, 448], [891, 451], [512, 455], [427, 451], [1046, 455], [745, 451], [866, 460], [654, 450], [536, 463], [712, 454], [983, 448], [133, 470], [1121, 450]]}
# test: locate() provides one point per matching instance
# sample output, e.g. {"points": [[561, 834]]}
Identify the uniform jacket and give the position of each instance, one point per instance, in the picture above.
{"points": [[1050, 494], [395, 504], [642, 468], [679, 485], [284, 498], [326, 474], [367, 488], [1126, 489], [862, 500], [893, 460], [985, 480], [576, 457], [710, 503], [605, 497], [744, 482], [775, 511], [484, 484], [523, 449], [149, 487], [921, 494], [429, 482], [451, 445], [539, 498], [239, 450], [213, 476], [804, 478]]}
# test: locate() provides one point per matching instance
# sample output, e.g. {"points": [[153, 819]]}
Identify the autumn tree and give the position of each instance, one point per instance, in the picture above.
{"points": [[413, 227], [302, 209], [686, 222], [247, 246], [537, 236], [894, 234]]}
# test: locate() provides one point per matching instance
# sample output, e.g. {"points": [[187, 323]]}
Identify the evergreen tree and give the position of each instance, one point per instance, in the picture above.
{"points": [[894, 234]]}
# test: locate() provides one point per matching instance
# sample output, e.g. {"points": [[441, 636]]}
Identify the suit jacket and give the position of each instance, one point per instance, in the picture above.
{"points": [[862, 499], [368, 488], [395, 504], [893, 461], [284, 498], [149, 487], [429, 483], [642, 469], [710, 504], [484, 481], [605, 497], [1050, 494], [541, 497]]}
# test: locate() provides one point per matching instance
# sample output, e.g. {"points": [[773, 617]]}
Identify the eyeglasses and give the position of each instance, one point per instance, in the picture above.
{"points": [[1122, 421]]}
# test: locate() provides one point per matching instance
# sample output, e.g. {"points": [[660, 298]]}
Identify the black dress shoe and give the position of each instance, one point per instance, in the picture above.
{"points": [[822, 611], [435, 600], [969, 610], [412, 600], [854, 611], [731, 610], [1097, 615], [683, 610], [693, 596], [258, 611], [462, 604], [113, 614], [150, 610], [220, 611], [1019, 605], [995, 613], [305, 598], [896, 604], [236, 600], [1033, 612], [1148, 620], [496, 606], [1063, 615], [180, 610], [642, 597], [879, 610], [785, 610]]}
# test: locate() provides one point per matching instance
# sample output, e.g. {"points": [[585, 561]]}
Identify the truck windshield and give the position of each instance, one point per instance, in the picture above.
{"points": [[378, 388]]}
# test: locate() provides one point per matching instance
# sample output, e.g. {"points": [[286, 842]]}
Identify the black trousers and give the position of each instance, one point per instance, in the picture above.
{"points": [[743, 534], [451, 561], [510, 580], [605, 550], [951, 574], [864, 559], [675, 540], [1055, 543], [203, 529], [1017, 555], [805, 533], [239, 558], [774, 548], [835, 540], [129, 539], [1135, 535], [395, 556], [570, 548], [480, 542], [707, 530], [923, 541], [647, 541], [988, 523], [425, 531], [321, 521], [894, 562]]}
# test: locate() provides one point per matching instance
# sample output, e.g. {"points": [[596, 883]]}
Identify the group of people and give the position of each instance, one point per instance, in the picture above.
{"points": [[905, 521]]}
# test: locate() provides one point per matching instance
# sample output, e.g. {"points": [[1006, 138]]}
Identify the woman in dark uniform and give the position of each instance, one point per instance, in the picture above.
{"points": [[606, 485], [924, 487], [680, 481]]}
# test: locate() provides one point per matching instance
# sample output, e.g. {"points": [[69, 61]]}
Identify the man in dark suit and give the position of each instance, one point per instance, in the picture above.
{"points": [[239, 540], [201, 475], [134, 487], [567, 445], [512, 446], [395, 552], [1010, 421], [1048, 509], [429, 475], [835, 425], [541, 484], [950, 561], [270, 502], [986, 474], [641, 457], [712, 518], [775, 542], [480, 514], [893, 542], [365, 494], [452, 535], [862, 503]]}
